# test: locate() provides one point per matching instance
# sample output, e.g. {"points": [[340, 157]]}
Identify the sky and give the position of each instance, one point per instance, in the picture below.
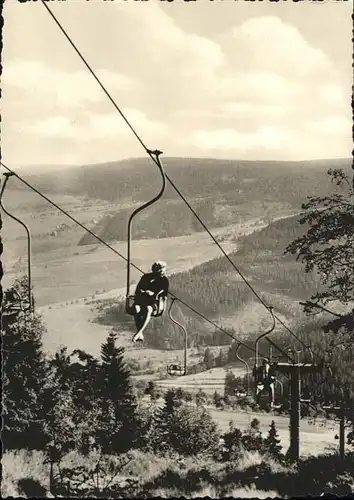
{"points": [[223, 79]]}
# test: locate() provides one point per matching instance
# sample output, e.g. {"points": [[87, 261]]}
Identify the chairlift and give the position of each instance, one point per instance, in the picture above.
{"points": [[248, 391], [175, 369], [13, 303], [130, 309], [129, 301]]}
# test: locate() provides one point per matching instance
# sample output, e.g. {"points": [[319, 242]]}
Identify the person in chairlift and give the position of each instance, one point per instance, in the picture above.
{"points": [[150, 295]]}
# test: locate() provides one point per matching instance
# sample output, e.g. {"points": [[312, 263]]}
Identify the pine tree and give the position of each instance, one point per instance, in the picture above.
{"points": [[24, 373], [217, 399], [152, 390], [84, 377], [208, 359], [58, 425], [252, 438], [233, 442], [201, 398], [163, 421], [183, 429], [118, 403], [230, 383], [272, 442]]}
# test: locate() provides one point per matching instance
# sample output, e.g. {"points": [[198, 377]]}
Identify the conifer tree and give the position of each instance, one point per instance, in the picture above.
{"points": [[201, 398], [252, 438], [118, 403], [272, 442], [58, 423], [230, 383], [152, 390], [183, 429], [217, 399], [232, 441], [163, 421], [209, 358], [24, 374]]}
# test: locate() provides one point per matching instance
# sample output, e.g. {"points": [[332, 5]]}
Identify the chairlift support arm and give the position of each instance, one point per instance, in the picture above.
{"points": [[7, 175], [184, 333], [156, 154], [264, 335], [243, 361]]}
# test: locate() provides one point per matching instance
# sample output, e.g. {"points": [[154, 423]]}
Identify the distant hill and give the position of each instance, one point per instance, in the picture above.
{"points": [[221, 191], [232, 180]]}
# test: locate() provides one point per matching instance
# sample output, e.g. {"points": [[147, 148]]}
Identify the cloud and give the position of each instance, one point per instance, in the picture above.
{"points": [[63, 89], [234, 109], [270, 44], [260, 87], [95, 127], [332, 125]]}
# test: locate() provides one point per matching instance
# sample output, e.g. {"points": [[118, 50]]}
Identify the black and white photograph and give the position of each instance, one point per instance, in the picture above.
{"points": [[177, 249]]}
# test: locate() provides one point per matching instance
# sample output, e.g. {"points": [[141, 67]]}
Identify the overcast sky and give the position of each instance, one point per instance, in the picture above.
{"points": [[223, 78]]}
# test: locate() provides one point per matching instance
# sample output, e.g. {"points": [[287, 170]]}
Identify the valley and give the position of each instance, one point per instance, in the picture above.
{"points": [[79, 283], [70, 279]]}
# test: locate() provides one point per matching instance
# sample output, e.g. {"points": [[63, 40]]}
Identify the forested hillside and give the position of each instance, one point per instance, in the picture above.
{"points": [[216, 288], [273, 238], [173, 218], [232, 180]]}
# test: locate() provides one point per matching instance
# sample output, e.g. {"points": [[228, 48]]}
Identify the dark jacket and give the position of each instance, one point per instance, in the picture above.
{"points": [[153, 282]]}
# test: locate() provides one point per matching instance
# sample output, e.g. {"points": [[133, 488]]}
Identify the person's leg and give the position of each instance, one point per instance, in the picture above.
{"points": [[145, 319], [149, 310], [271, 393], [138, 317], [260, 388]]}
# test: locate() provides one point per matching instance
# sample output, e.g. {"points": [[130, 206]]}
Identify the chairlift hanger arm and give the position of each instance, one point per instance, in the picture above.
{"points": [[245, 364], [184, 332], [142, 207], [239, 357], [7, 175], [271, 310]]}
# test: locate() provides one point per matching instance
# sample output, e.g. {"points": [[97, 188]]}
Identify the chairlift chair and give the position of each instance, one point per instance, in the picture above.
{"points": [[130, 309], [129, 301], [14, 303], [175, 370]]}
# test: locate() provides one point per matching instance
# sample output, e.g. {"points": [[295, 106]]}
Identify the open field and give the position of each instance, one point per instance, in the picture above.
{"points": [[78, 272], [209, 381]]}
